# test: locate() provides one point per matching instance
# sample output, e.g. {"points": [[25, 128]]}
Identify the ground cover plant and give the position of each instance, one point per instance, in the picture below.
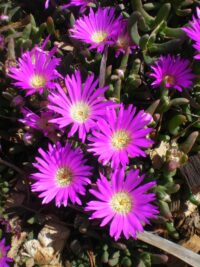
{"points": [[99, 132]]}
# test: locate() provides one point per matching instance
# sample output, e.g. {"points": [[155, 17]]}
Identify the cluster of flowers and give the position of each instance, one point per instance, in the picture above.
{"points": [[112, 132], [101, 29]]}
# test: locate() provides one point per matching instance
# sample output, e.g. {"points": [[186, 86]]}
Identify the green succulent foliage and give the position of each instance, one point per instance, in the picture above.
{"points": [[153, 33]]}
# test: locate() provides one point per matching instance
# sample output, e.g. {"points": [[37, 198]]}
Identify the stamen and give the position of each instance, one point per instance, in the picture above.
{"points": [[120, 139], [80, 112], [121, 203], [38, 81], [99, 36], [122, 42], [168, 79], [63, 177]]}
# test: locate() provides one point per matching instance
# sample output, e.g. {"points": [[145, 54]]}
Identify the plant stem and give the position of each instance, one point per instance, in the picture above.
{"points": [[12, 166], [102, 75], [118, 83], [137, 5]]}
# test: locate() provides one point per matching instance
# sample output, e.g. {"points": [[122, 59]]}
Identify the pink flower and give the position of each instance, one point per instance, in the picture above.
{"points": [[121, 135], [36, 71], [193, 32], [122, 203], [123, 41], [97, 29], [81, 107], [172, 72], [62, 174]]}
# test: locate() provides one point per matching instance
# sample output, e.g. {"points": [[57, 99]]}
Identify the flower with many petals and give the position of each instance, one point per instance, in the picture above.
{"points": [[193, 32], [36, 71], [172, 72], [3, 254], [62, 174], [122, 203], [120, 135], [123, 42], [97, 29], [39, 122], [81, 107]]}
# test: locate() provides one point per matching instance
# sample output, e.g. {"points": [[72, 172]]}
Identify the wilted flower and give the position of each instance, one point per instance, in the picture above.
{"points": [[3, 254], [120, 135], [81, 107], [97, 29], [62, 174], [17, 101], [172, 72], [38, 122], [36, 71], [123, 42], [123, 203], [28, 138], [79, 3]]}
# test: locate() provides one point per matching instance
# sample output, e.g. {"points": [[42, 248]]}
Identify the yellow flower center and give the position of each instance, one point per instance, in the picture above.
{"points": [[99, 36], [120, 139], [80, 112], [169, 79], [38, 81], [121, 203], [63, 177]]}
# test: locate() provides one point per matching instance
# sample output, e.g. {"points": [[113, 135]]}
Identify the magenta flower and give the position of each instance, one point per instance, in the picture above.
{"points": [[39, 122], [122, 134], [36, 71], [97, 29], [81, 107], [62, 174], [193, 29], [122, 203], [193, 32], [172, 72], [197, 47], [123, 42], [3, 254], [79, 3]]}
